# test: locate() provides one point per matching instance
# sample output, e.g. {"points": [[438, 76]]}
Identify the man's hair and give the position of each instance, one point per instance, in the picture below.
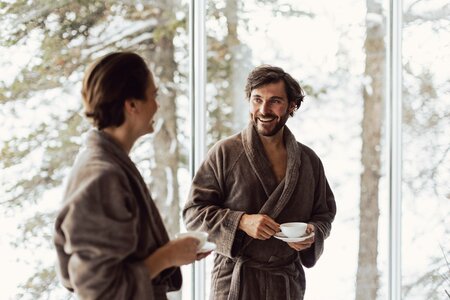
{"points": [[266, 74], [111, 80]]}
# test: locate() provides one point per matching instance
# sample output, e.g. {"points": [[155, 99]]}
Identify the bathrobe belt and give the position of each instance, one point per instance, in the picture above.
{"points": [[279, 268]]}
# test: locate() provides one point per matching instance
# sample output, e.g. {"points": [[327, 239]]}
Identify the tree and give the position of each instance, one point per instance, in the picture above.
{"points": [[166, 148], [367, 274], [367, 281], [427, 145], [230, 61], [70, 35], [225, 54]]}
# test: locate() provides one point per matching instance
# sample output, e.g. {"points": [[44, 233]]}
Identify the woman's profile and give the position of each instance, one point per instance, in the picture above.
{"points": [[109, 236]]}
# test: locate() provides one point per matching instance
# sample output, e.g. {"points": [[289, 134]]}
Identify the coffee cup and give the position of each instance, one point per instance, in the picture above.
{"points": [[199, 235], [293, 229]]}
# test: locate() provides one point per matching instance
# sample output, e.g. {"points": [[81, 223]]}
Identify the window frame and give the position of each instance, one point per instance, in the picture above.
{"points": [[197, 32]]}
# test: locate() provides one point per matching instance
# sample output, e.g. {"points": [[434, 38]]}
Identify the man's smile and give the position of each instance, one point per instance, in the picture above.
{"points": [[267, 119]]}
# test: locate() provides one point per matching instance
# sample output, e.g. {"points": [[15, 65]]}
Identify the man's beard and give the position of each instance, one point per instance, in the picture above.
{"points": [[260, 128]]}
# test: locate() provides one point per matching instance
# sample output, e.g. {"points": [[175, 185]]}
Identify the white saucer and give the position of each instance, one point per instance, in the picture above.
{"points": [[281, 236], [207, 247]]}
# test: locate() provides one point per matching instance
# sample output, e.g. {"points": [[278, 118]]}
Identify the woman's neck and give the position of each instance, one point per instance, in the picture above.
{"points": [[122, 136]]}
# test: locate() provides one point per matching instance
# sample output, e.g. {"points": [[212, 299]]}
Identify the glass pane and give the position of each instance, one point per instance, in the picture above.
{"points": [[44, 51], [337, 53], [426, 143]]}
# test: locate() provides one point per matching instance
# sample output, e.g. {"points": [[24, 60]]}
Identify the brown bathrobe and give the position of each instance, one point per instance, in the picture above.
{"points": [[108, 226], [236, 178]]}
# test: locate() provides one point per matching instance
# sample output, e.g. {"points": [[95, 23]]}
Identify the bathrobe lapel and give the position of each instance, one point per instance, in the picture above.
{"points": [[278, 194]]}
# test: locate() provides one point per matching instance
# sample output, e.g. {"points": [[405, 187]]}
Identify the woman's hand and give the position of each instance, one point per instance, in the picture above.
{"points": [[175, 253], [182, 251], [202, 255]]}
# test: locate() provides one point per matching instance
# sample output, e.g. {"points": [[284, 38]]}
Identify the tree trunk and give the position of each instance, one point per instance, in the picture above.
{"points": [[164, 186], [367, 278], [240, 65]]}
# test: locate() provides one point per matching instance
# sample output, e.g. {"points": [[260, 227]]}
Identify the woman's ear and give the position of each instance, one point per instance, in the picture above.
{"points": [[130, 105]]}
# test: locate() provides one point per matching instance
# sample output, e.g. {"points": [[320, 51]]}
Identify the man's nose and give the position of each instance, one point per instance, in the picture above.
{"points": [[264, 108]]}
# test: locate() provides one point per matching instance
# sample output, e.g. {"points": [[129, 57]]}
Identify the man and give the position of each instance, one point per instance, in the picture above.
{"points": [[250, 183]]}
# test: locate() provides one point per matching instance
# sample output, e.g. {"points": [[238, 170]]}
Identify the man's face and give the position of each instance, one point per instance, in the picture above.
{"points": [[269, 108]]}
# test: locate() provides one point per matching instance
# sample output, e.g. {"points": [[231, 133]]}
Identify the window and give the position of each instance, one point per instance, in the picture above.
{"points": [[425, 125], [44, 53], [338, 52]]}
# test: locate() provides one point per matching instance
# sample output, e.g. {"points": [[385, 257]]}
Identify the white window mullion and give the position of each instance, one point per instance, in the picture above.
{"points": [[394, 141], [197, 12]]}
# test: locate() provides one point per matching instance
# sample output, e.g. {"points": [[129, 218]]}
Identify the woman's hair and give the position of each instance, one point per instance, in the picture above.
{"points": [[266, 74], [111, 80]]}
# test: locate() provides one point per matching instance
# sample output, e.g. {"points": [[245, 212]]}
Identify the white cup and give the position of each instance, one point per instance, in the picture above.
{"points": [[293, 229], [199, 235]]}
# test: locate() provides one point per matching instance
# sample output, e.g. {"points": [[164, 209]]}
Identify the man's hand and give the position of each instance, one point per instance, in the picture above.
{"points": [[298, 246], [260, 227]]}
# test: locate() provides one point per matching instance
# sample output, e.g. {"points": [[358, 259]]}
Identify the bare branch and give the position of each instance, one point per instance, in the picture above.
{"points": [[430, 16]]}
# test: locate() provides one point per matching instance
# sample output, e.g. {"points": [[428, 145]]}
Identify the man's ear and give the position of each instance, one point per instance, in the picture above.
{"points": [[292, 106]]}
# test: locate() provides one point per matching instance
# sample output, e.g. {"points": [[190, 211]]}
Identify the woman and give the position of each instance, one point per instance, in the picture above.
{"points": [[110, 239]]}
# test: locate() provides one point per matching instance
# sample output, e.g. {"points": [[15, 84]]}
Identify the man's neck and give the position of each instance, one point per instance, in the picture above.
{"points": [[276, 153], [273, 142]]}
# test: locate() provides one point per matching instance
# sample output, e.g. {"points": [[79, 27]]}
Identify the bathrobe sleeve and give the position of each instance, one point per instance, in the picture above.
{"points": [[96, 232], [206, 209], [324, 211]]}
